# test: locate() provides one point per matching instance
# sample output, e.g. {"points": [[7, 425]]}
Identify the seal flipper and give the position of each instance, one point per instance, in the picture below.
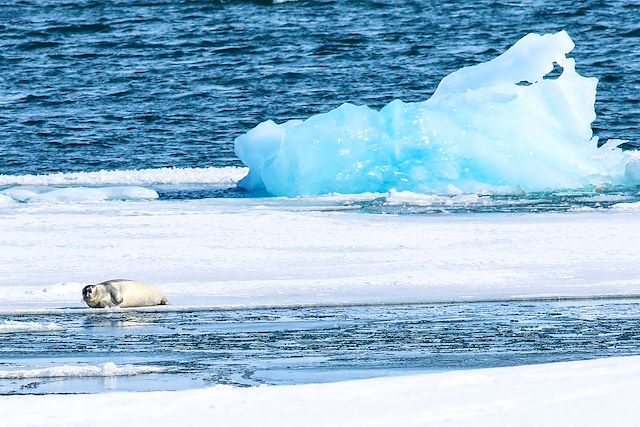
{"points": [[116, 296]]}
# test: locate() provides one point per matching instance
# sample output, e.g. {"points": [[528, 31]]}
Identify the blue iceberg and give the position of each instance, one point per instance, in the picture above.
{"points": [[491, 127]]}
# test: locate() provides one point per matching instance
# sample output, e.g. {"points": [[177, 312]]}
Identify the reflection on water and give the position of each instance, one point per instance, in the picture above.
{"points": [[120, 320], [313, 344]]}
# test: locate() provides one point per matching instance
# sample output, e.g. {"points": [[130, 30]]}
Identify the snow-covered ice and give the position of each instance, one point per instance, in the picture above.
{"points": [[12, 326], [589, 393], [257, 252], [215, 176], [107, 369], [44, 194]]}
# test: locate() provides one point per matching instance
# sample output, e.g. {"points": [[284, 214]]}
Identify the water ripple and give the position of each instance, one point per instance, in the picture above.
{"points": [[311, 344], [172, 83]]}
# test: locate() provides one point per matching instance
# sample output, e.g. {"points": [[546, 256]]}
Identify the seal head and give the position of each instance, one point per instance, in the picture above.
{"points": [[92, 296]]}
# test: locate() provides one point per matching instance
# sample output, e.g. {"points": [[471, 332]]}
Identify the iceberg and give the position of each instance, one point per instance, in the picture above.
{"points": [[504, 124]]}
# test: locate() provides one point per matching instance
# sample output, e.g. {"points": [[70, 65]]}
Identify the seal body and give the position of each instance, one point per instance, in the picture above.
{"points": [[122, 293]]}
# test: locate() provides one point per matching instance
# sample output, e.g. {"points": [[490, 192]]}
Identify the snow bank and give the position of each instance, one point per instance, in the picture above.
{"points": [[494, 125], [11, 326], [43, 194], [275, 252], [173, 176], [589, 393], [108, 369]]}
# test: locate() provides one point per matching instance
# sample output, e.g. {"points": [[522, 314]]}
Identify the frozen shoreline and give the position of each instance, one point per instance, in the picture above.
{"points": [[588, 393]]}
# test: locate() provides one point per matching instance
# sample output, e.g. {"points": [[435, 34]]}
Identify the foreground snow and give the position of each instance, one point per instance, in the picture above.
{"points": [[256, 252], [592, 393]]}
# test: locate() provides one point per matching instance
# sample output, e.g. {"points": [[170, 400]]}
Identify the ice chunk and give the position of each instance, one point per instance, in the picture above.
{"points": [[496, 125], [108, 369], [11, 326], [258, 155], [632, 169], [407, 197], [44, 194], [229, 175]]}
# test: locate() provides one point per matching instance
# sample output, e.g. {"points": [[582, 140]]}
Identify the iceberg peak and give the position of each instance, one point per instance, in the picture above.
{"points": [[529, 60]]}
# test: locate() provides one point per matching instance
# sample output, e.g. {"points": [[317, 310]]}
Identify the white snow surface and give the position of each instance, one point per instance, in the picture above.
{"points": [[11, 326], [226, 175], [277, 252], [43, 194], [589, 393], [6, 200], [107, 369]]}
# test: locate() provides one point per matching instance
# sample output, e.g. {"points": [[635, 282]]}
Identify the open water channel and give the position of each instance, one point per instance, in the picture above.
{"points": [[173, 349]]}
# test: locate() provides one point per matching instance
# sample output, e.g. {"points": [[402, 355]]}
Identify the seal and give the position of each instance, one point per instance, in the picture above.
{"points": [[122, 293]]}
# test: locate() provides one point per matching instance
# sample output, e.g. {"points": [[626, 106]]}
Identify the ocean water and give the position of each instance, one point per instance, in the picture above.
{"points": [[88, 85]]}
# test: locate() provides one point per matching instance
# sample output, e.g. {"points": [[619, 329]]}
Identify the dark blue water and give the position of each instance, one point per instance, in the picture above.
{"points": [[315, 344], [129, 84]]}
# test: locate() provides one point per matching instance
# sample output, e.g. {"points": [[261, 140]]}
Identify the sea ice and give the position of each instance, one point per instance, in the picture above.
{"points": [[173, 176], [493, 126], [10, 326], [310, 252], [108, 369], [44, 194], [585, 393]]}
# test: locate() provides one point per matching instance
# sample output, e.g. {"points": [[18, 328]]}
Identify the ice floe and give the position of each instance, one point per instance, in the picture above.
{"points": [[45, 194], [108, 369], [12, 326]]}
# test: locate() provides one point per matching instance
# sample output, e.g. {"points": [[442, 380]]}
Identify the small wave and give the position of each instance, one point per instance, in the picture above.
{"points": [[38, 45], [79, 29], [11, 326], [217, 176], [108, 369], [632, 33]]}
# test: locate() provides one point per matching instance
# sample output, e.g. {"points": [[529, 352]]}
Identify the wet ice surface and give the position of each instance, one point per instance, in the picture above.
{"points": [[399, 202], [186, 349], [117, 186]]}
